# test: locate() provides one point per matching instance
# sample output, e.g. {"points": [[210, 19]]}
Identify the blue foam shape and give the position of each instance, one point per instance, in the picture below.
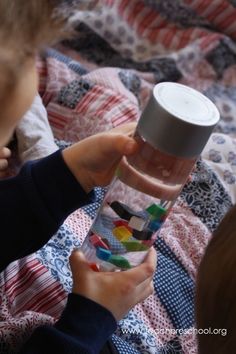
{"points": [[154, 225], [103, 254]]}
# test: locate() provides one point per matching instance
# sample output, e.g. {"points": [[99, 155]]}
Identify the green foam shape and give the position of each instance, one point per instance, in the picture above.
{"points": [[119, 261], [134, 246], [156, 211]]}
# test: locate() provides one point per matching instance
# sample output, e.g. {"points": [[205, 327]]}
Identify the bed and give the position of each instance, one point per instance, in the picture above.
{"points": [[103, 78]]}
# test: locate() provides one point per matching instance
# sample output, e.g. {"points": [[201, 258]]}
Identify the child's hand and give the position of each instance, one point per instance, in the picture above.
{"points": [[94, 160], [116, 291], [5, 153]]}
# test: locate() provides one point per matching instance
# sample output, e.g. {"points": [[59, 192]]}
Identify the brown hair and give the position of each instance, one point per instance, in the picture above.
{"points": [[25, 27], [216, 290]]}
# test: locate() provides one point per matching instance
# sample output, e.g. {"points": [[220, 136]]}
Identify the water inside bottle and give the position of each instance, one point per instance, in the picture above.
{"points": [[135, 208]]}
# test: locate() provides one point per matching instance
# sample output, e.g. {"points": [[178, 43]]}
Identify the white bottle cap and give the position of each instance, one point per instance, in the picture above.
{"points": [[178, 120]]}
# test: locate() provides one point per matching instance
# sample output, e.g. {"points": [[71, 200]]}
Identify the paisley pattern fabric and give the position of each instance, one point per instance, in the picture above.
{"points": [[206, 196]]}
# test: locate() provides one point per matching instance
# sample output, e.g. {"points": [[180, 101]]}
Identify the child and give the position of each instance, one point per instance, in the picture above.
{"points": [[215, 300], [46, 191]]}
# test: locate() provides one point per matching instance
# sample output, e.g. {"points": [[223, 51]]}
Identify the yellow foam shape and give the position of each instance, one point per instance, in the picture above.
{"points": [[121, 233]]}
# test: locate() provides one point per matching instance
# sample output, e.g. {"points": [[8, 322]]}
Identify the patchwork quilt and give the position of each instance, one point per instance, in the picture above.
{"points": [[101, 79]]}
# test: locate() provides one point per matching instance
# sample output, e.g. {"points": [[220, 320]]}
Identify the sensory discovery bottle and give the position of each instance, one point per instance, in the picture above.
{"points": [[171, 133]]}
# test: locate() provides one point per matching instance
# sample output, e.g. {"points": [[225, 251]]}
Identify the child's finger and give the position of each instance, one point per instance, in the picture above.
{"points": [[115, 145], [3, 164], [127, 128], [78, 263], [144, 290], [5, 153]]}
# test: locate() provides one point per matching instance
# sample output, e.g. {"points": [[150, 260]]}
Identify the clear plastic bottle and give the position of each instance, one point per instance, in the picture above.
{"points": [[171, 133]]}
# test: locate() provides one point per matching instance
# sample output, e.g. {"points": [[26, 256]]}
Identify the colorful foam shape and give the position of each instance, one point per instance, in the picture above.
{"points": [[156, 211], [137, 223], [103, 254], [148, 243], [142, 235], [121, 222], [94, 267], [98, 242], [119, 261], [122, 210], [106, 242], [134, 246], [154, 225], [121, 233]]}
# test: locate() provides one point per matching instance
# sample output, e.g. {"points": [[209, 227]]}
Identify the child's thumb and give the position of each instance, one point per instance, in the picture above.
{"points": [[78, 262]]}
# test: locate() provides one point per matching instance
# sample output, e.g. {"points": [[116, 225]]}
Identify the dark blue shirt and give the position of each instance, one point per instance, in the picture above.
{"points": [[33, 205]]}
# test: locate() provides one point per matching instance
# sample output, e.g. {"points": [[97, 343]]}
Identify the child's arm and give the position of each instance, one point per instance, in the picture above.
{"points": [[39, 199], [35, 203], [97, 302]]}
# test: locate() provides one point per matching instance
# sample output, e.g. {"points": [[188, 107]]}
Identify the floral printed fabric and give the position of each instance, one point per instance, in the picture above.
{"points": [[220, 155]]}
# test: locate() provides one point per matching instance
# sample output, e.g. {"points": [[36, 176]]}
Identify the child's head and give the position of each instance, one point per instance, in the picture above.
{"points": [[216, 290], [25, 26]]}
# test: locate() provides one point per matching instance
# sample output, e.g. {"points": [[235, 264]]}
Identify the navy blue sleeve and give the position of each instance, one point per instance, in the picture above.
{"points": [[83, 328], [34, 204]]}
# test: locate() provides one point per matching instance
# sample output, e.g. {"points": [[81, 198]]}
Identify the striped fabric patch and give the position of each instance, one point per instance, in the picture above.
{"points": [[29, 297]]}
